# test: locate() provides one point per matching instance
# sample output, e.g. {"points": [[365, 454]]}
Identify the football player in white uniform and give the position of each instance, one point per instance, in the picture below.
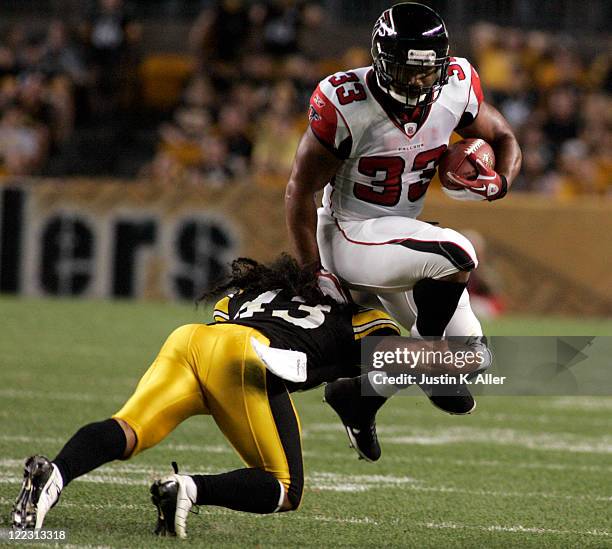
{"points": [[375, 137]]}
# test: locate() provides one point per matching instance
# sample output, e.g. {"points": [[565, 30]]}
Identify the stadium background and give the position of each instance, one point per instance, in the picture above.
{"points": [[140, 152], [154, 140]]}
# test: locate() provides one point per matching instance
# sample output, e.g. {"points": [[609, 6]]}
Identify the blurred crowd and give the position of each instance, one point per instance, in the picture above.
{"points": [[55, 78], [233, 108], [243, 111]]}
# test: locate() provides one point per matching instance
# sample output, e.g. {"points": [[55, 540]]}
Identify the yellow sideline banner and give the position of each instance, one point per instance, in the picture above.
{"points": [[553, 256], [130, 239], [108, 238]]}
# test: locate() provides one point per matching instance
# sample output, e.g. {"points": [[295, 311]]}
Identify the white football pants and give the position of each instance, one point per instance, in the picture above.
{"points": [[387, 256]]}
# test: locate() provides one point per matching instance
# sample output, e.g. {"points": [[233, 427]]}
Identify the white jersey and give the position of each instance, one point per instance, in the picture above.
{"points": [[388, 162]]}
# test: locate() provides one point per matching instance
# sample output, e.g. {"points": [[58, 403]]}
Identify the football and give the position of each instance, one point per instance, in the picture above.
{"points": [[455, 159]]}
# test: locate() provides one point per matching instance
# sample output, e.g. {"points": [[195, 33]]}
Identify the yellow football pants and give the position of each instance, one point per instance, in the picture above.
{"points": [[214, 370]]}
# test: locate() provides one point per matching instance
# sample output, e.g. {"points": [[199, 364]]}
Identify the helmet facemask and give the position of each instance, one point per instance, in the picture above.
{"points": [[413, 78]]}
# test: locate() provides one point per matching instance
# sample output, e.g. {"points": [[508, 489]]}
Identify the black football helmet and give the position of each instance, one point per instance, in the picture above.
{"points": [[410, 54]]}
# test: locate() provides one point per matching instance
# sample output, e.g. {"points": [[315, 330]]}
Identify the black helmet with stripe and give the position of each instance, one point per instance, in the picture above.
{"points": [[410, 53]]}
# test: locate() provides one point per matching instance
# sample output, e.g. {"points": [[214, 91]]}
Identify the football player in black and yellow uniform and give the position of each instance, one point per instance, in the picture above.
{"points": [[277, 321]]}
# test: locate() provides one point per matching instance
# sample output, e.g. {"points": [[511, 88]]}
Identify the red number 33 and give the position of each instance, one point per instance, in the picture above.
{"points": [[344, 93]]}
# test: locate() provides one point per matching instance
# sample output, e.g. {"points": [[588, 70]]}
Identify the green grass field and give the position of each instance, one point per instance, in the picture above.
{"points": [[519, 472]]}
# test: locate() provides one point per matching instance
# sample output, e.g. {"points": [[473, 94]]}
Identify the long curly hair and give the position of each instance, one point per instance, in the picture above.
{"points": [[283, 273]]}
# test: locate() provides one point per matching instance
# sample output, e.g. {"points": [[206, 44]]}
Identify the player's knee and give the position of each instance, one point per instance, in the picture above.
{"points": [[130, 437], [460, 251], [291, 502], [295, 495], [292, 493], [286, 505]]}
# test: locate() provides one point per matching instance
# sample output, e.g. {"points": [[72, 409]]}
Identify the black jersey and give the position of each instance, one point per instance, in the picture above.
{"points": [[329, 335]]}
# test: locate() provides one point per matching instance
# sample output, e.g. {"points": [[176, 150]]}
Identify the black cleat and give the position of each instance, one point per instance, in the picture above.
{"points": [[163, 496], [361, 431], [170, 496], [40, 491], [457, 399]]}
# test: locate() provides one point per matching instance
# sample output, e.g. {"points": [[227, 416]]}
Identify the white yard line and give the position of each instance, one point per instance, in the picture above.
{"points": [[94, 506], [55, 395], [456, 526], [210, 448], [347, 520], [577, 403], [317, 481], [490, 463], [503, 494], [544, 419], [120, 467], [543, 440], [513, 529], [32, 440], [562, 442], [559, 404], [221, 449]]}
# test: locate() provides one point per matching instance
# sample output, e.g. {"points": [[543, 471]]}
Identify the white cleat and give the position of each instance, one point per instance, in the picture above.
{"points": [[174, 496], [41, 488]]}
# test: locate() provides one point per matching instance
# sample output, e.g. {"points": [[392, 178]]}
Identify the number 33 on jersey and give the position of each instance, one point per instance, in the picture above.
{"points": [[388, 161]]}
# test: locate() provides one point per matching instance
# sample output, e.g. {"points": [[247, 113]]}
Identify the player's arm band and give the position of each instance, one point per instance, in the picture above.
{"points": [[466, 119], [338, 153], [504, 187]]}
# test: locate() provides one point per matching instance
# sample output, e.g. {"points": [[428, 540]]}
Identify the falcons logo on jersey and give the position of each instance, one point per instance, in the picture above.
{"points": [[313, 115]]}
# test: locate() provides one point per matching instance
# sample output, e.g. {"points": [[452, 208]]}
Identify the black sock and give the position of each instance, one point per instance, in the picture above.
{"points": [[91, 446], [436, 302], [251, 490]]}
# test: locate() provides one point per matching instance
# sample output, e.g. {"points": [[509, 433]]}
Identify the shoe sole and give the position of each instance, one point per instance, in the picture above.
{"points": [[465, 392], [164, 498], [454, 413], [25, 507]]}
